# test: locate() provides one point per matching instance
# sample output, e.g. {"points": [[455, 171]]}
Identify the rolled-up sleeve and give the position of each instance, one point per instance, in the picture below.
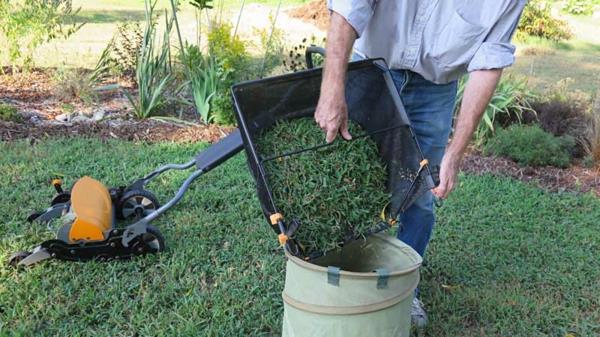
{"points": [[358, 13], [497, 52]]}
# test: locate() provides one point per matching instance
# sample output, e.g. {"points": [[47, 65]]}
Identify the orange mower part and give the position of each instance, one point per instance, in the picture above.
{"points": [[92, 205]]}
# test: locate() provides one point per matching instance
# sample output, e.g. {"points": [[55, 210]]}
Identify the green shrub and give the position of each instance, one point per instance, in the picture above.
{"points": [[594, 134], [530, 145], [537, 20], [203, 79], [507, 106], [126, 48], [334, 192], [581, 7], [562, 118], [153, 71], [27, 24], [562, 111], [229, 50], [222, 108], [9, 113]]}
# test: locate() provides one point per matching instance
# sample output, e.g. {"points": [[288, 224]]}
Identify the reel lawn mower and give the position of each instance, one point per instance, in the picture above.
{"points": [[92, 212]]}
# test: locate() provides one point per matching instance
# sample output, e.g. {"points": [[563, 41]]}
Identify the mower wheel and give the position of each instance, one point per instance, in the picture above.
{"points": [[136, 204], [153, 240], [17, 257]]}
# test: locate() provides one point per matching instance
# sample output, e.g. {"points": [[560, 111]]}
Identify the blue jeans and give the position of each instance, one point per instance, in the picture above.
{"points": [[429, 107]]}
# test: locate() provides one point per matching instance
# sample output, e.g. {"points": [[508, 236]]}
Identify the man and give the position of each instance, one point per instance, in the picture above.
{"points": [[428, 45]]}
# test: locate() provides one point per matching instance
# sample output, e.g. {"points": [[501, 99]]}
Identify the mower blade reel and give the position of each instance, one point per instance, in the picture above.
{"points": [[39, 254]]}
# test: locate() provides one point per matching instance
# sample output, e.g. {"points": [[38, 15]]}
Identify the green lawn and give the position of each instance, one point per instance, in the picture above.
{"points": [[507, 259], [545, 63], [102, 17]]}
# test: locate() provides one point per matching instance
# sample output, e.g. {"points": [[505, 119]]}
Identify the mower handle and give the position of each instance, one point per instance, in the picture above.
{"points": [[310, 51]]}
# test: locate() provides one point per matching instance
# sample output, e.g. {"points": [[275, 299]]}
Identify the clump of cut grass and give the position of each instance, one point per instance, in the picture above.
{"points": [[335, 193]]}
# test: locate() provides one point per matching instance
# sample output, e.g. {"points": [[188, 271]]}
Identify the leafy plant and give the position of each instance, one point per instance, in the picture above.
{"points": [[105, 64], [201, 6], [335, 193], [562, 118], [530, 145], [126, 48], [508, 104], [581, 7], [27, 24], [222, 108], [153, 73], [203, 76], [593, 134], [229, 50], [295, 57], [74, 84], [562, 111], [9, 113], [537, 20]]}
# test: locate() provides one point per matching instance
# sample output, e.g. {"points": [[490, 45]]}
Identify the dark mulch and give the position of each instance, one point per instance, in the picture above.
{"points": [[35, 85], [147, 131], [572, 179]]}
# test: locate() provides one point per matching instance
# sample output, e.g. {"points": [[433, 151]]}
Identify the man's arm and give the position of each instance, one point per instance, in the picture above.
{"points": [[332, 112], [477, 95]]}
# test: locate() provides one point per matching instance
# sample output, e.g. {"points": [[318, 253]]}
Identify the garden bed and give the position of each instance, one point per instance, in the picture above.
{"points": [[147, 131]]}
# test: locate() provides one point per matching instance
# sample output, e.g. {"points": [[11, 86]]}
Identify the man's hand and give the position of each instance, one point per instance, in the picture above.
{"points": [[332, 115], [332, 112], [448, 177], [476, 97]]}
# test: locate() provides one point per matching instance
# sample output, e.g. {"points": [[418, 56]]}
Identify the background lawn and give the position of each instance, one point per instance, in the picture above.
{"points": [[507, 259], [102, 17], [544, 63]]}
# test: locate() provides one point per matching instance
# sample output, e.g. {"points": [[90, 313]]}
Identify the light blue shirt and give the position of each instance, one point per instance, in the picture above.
{"points": [[439, 39]]}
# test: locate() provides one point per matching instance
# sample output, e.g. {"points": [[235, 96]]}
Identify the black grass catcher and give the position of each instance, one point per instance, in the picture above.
{"points": [[373, 103]]}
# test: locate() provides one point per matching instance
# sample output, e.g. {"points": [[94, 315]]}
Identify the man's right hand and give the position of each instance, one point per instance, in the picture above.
{"points": [[332, 114]]}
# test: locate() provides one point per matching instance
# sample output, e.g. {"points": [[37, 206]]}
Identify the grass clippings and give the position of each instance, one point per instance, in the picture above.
{"points": [[336, 193]]}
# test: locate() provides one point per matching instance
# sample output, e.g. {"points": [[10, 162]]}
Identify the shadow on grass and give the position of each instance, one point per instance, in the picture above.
{"points": [[109, 16]]}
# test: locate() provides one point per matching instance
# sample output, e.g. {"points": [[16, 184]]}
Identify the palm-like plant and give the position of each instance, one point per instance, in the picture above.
{"points": [[153, 73], [204, 85]]}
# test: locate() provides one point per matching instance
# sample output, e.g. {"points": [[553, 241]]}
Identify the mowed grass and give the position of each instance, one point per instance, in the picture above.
{"points": [[507, 259], [545, 63], [102, 17]]}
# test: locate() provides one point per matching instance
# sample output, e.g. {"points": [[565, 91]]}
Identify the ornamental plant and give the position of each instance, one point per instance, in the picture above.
{"points": [[530, 145], [336, 193]]}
